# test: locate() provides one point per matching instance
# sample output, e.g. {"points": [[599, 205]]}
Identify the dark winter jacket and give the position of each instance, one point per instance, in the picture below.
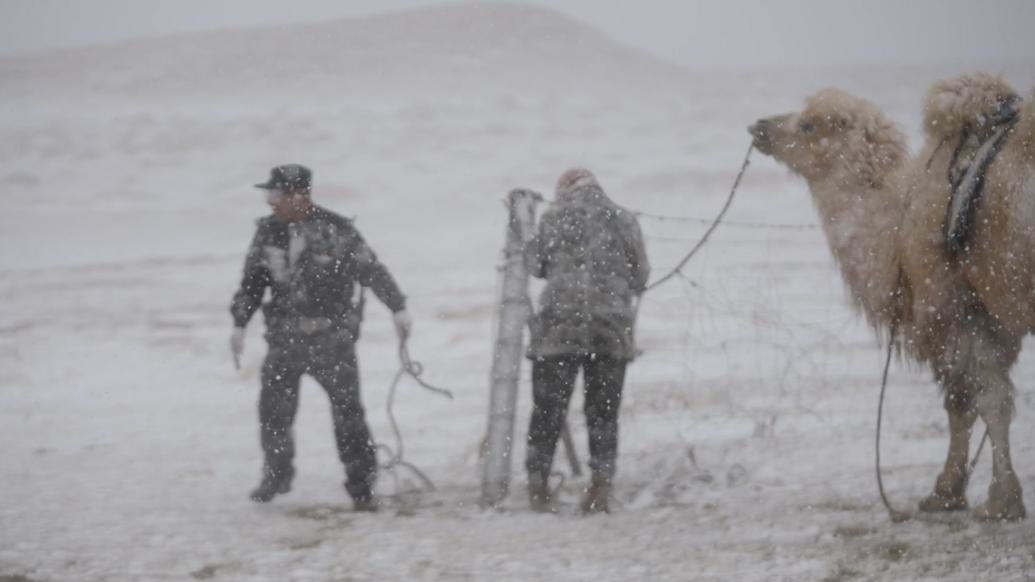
{"points": [[591, 253], [311, 267]]}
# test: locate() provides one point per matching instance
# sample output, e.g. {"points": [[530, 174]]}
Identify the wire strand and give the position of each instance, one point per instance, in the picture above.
{"points": [[739, 224]]}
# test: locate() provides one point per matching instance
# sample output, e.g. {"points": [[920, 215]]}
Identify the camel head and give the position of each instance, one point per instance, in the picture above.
{"points": [[837, 137], [972, 102]]}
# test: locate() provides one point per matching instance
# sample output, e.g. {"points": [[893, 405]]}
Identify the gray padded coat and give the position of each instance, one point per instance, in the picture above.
{"points": [[591, 254]]}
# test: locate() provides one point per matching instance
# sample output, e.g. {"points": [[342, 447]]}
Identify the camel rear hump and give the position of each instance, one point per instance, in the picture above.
{"points": [[967, 103]]}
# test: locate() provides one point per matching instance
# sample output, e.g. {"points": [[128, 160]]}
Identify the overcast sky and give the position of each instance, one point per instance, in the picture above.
{"points": [[696, 33]]}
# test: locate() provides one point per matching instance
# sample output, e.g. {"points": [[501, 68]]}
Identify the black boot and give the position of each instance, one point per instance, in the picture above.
{"points": [[368, 503], [274, 482], [363, 498]]}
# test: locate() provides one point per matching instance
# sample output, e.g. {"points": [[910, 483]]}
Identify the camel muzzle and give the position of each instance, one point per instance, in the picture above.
{"points": [[761, 130]]}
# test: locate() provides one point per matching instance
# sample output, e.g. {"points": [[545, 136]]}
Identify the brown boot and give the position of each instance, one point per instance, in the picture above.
{"points": [[597, 495], [539, 496]]}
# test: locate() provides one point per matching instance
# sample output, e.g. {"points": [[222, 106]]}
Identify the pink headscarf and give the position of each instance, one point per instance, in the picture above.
{"points": [[573, 182]]}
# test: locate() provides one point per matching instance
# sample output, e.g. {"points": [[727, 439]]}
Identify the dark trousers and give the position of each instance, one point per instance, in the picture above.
{"points": [[553, 379], [330, 358]]}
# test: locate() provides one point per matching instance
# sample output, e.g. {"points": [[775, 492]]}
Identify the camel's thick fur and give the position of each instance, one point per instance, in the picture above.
{"points": [[884, 214], [855, 161]]}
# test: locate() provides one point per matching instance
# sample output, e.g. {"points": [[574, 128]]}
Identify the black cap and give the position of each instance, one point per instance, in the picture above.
{"points": [[289, 178]]}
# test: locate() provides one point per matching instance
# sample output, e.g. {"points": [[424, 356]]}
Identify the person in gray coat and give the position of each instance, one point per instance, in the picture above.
{"points": [[591, 254]]}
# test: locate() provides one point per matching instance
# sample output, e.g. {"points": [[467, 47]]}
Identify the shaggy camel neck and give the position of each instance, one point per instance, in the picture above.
{"points": [[861, 226]]}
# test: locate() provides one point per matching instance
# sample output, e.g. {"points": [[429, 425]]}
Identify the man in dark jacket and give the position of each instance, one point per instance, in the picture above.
{"points": [[311, 259], [591, 253]]}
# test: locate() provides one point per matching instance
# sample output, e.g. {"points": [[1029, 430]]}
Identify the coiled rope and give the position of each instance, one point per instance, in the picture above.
{"points": [[414, 369]]}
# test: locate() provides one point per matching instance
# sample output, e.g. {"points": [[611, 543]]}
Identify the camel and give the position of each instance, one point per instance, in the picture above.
{"points": [[884, 212]]}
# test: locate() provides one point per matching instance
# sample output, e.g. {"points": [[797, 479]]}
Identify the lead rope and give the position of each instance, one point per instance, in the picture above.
{"points": [[896, 516], [678, 270]]}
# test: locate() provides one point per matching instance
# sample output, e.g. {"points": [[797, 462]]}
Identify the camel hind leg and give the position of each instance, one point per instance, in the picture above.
{"points": [[950, 489], [995, 405], [986, 367], [974, 367]]}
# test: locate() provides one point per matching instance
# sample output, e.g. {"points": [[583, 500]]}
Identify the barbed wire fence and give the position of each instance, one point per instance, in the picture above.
{"points": [[746, 333], [726, 333], [715, 296]]}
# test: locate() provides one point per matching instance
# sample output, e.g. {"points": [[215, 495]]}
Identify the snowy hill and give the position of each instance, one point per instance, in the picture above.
{"points": [[460, 49], [747, 424]]}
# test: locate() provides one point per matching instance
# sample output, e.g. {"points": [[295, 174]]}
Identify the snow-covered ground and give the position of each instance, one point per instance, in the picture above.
{"points": [[130, 442]]}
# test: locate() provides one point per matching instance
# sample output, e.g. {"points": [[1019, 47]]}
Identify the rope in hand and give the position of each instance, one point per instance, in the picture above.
{"points": [[414, 369]]}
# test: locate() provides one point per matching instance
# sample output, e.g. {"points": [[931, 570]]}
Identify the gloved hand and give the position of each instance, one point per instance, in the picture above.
{"points": [[237, 345], [403, 324]]}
